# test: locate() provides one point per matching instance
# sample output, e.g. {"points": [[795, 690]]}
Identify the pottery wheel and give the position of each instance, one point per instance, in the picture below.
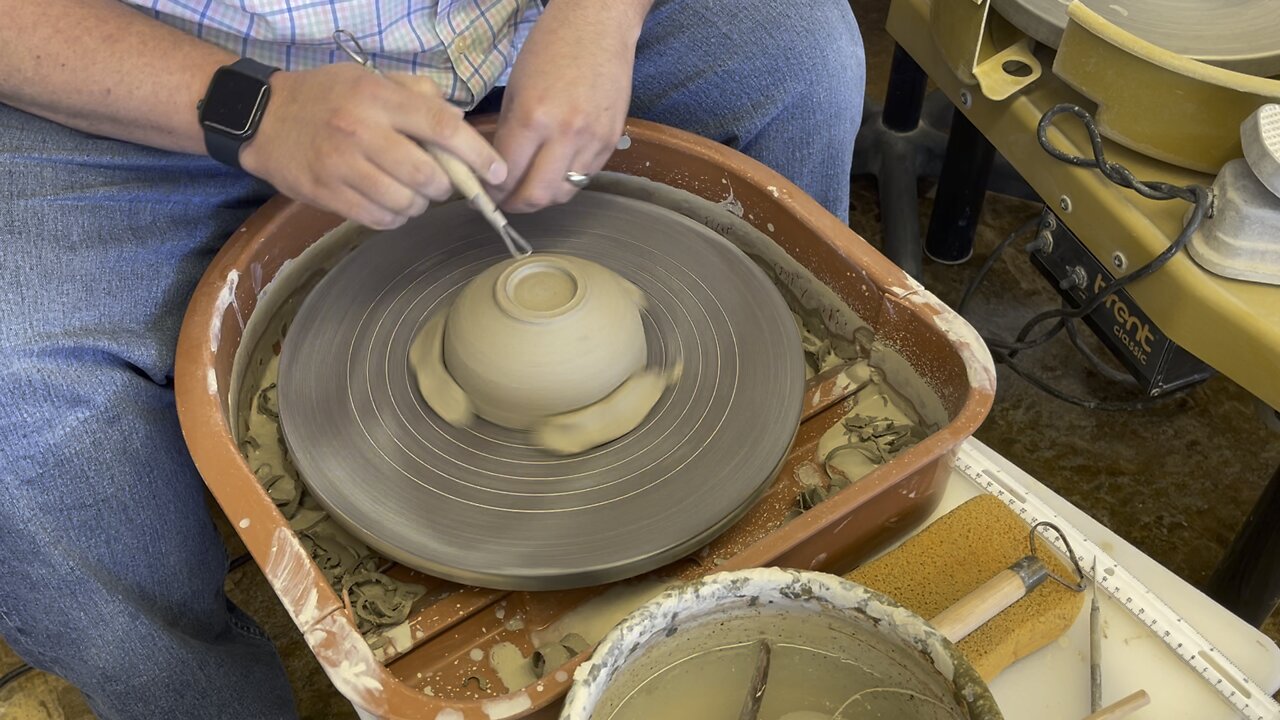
{"points": [[480, 505], [1238, 35]]}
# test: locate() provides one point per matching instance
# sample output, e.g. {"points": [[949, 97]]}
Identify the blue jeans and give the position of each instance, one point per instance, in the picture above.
{"points": [[111, 571]]}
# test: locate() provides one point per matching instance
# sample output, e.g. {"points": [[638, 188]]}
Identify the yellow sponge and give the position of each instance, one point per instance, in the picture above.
{"points": [[959, 552]]}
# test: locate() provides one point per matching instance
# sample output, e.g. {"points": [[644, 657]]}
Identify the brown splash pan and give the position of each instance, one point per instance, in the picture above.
{"points": [[451, 620]]}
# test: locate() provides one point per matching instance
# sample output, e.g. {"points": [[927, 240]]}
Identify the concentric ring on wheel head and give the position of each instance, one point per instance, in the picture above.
{"points": [[480, 505]]}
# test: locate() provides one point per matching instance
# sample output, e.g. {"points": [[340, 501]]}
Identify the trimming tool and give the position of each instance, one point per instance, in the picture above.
{"points": [[1095, 647], [1003, 590], [459, 174], [759, 682], [1188, 644]]}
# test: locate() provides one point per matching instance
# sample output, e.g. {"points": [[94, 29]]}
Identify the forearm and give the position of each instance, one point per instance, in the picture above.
{"points": [[626, 16], [104, 68], [632, 12], [567, 98]]}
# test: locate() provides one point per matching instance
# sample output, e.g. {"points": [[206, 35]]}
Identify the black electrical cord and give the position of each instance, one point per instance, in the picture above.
{"points": [[972, 288], [990, 262], [238, 561], [1005, 351], [1143, 403], [1007, 359], [14, 674], [1099, 365], [1198, 195]]}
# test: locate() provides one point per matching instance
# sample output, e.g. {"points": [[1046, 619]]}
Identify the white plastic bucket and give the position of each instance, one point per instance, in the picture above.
{"points": [[762, 593]]}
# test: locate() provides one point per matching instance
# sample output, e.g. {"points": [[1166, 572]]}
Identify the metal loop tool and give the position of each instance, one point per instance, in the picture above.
{"points": [[459, 174], [1006, 588], [1077, 586]]}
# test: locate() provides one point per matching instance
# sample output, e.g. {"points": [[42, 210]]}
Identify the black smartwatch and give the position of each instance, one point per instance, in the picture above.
{"points": [[232, 108]]}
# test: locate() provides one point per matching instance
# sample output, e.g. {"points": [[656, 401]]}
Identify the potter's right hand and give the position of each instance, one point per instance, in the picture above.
{"points": [[346, 140]]}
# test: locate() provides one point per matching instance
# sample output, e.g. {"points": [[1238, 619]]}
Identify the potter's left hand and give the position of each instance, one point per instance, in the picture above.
{"points": [[567, 98]]}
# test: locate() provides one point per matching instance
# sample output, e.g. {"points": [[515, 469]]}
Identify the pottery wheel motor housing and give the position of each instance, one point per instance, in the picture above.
{"points": [[654, 356]]}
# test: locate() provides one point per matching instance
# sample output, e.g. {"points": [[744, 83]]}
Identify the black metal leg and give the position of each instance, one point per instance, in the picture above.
{"points": [[900, 207], [1247, 580], [897, 173], [962, 187], [904, 102]]}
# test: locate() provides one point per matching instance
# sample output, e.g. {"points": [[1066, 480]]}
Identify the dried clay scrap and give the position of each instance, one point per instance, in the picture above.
{"points": [[377, 601]]}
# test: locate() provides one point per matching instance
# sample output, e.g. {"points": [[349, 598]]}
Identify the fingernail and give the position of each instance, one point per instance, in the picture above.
{"points": [[497, 172]]}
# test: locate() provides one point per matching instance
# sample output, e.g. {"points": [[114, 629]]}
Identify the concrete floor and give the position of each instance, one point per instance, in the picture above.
{"points": [[1176, 481]]}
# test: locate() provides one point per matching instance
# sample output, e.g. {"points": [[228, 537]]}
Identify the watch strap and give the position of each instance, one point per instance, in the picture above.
{"points": [[223, 147]]}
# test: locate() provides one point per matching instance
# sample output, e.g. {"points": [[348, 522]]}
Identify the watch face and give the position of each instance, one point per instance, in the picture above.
{"points": [[232, 101]]}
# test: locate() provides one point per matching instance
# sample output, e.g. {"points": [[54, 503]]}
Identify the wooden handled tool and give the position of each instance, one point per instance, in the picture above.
{"points": [[973, 610], [463, 179], [469, 186], [991, 598], [1008, 587], [1095, 647], [1123, 708]]}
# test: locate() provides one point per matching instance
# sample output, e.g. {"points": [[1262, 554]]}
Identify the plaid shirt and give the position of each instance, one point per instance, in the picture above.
{"points": [[465, 46]]}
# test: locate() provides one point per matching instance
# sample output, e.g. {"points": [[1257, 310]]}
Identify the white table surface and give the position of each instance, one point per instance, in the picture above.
{"points": [[1053, 683]]}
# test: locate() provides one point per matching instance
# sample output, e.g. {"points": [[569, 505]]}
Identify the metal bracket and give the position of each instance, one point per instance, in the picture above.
{"points": [[983, 48]]}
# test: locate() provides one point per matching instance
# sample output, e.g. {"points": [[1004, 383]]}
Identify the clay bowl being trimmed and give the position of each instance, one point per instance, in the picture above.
{"points": [[451, 620], [541, 336]]}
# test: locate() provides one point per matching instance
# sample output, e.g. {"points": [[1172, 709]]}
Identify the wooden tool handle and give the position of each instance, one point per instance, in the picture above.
{"points": [[989, 600], [463, 179], [1123, 708]]}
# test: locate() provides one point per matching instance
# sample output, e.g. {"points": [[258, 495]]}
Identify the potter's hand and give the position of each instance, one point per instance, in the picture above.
{"points": [[346, 140], [567, 99]]}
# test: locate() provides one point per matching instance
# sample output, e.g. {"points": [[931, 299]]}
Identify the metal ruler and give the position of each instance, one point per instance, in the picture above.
{"points": [[1233, 685]]}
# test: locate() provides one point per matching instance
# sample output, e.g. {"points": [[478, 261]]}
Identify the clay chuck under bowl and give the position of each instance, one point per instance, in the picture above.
{"points": [[541, 336]]}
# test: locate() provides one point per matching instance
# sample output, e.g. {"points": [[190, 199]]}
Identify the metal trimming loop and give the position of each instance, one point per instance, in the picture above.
{"points": [[1079, 584]]}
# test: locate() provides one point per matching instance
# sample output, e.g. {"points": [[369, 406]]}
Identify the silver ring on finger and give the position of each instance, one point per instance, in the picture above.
{"points": [[577, 179]]}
